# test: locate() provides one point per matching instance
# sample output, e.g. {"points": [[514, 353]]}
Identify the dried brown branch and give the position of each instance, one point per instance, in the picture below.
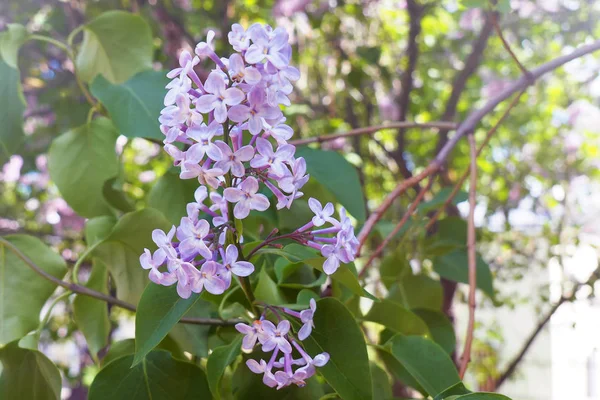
{"points": [[472, 258], [467, 126], [464, 176], [413, 206], [82, 290], [369, 130]]}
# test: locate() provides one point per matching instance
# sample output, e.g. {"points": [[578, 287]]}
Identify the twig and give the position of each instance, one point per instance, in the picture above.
{"points": [[98, 295], [521, 354], [413, 206], [466, 355], [507, 47], [460, 81], [462, 179], [415, 12], [373, 129], [467, 126]]}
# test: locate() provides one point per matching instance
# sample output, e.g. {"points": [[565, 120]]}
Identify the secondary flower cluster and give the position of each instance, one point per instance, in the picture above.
{"points": [[279, 340], [242, 94]]}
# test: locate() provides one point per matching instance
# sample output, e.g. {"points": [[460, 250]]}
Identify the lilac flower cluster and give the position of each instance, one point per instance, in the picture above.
{"points": [[205, 125], [279, 340], [243, 93]]}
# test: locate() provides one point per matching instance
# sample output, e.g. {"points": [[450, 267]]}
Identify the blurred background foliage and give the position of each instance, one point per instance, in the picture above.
{"points": [[363, 63]]}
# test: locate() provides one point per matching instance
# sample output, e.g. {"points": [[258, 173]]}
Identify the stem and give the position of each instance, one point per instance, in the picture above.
{"points": [[472, 258], [374, 129], [101, 296], [244, 280], [59, 44], [80, 260], [46, 318]]}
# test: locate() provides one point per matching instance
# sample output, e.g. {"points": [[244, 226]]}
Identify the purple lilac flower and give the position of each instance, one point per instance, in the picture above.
{"points": [[229, 125], [246, 197]]}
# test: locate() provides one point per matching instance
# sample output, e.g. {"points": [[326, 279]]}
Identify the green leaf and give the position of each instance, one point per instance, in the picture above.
{"points": [[11, 41], [80, 161], [267, 291], [27, 374], [417, 291], [115, 196], [23, 292], [382, 387], [483, 396], [98, 229], [344, 275], [122, 248], [339, 176], [11, 112], [218, 361], [170, 195], [440, 328], [127, 347], [451, 234], [397, 370], [117, 45], [453, 391], [134, 106], [337, 333], [194, 338], [397, 318], [159, 310], [158, 377], [455, 266], [418, 355], [91, 315]]}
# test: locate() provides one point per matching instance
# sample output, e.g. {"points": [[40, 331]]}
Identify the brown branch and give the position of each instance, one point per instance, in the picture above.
{"points": [[413, 206], [467, 126], [466, 355], [415, 12], [512, 366], [507, 47], [462, 179], [99, 295], [373, 129]]}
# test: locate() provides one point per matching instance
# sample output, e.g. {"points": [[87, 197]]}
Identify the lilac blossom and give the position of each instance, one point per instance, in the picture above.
{"points": [[218, 97], [246, 197], [229, 133], [275, 160]]}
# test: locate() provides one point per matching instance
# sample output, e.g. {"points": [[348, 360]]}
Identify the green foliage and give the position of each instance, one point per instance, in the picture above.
{"points": [[121, 250], [158, 377], [80, 161], [27, 374], [116, 45], [454, 266], [170, 195], [218, 361], [395, 317], [336, 331], [91, 315], [134, 105], [22, 291], [159, 309], [339, 176], [418, 355], [11, 112]]}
